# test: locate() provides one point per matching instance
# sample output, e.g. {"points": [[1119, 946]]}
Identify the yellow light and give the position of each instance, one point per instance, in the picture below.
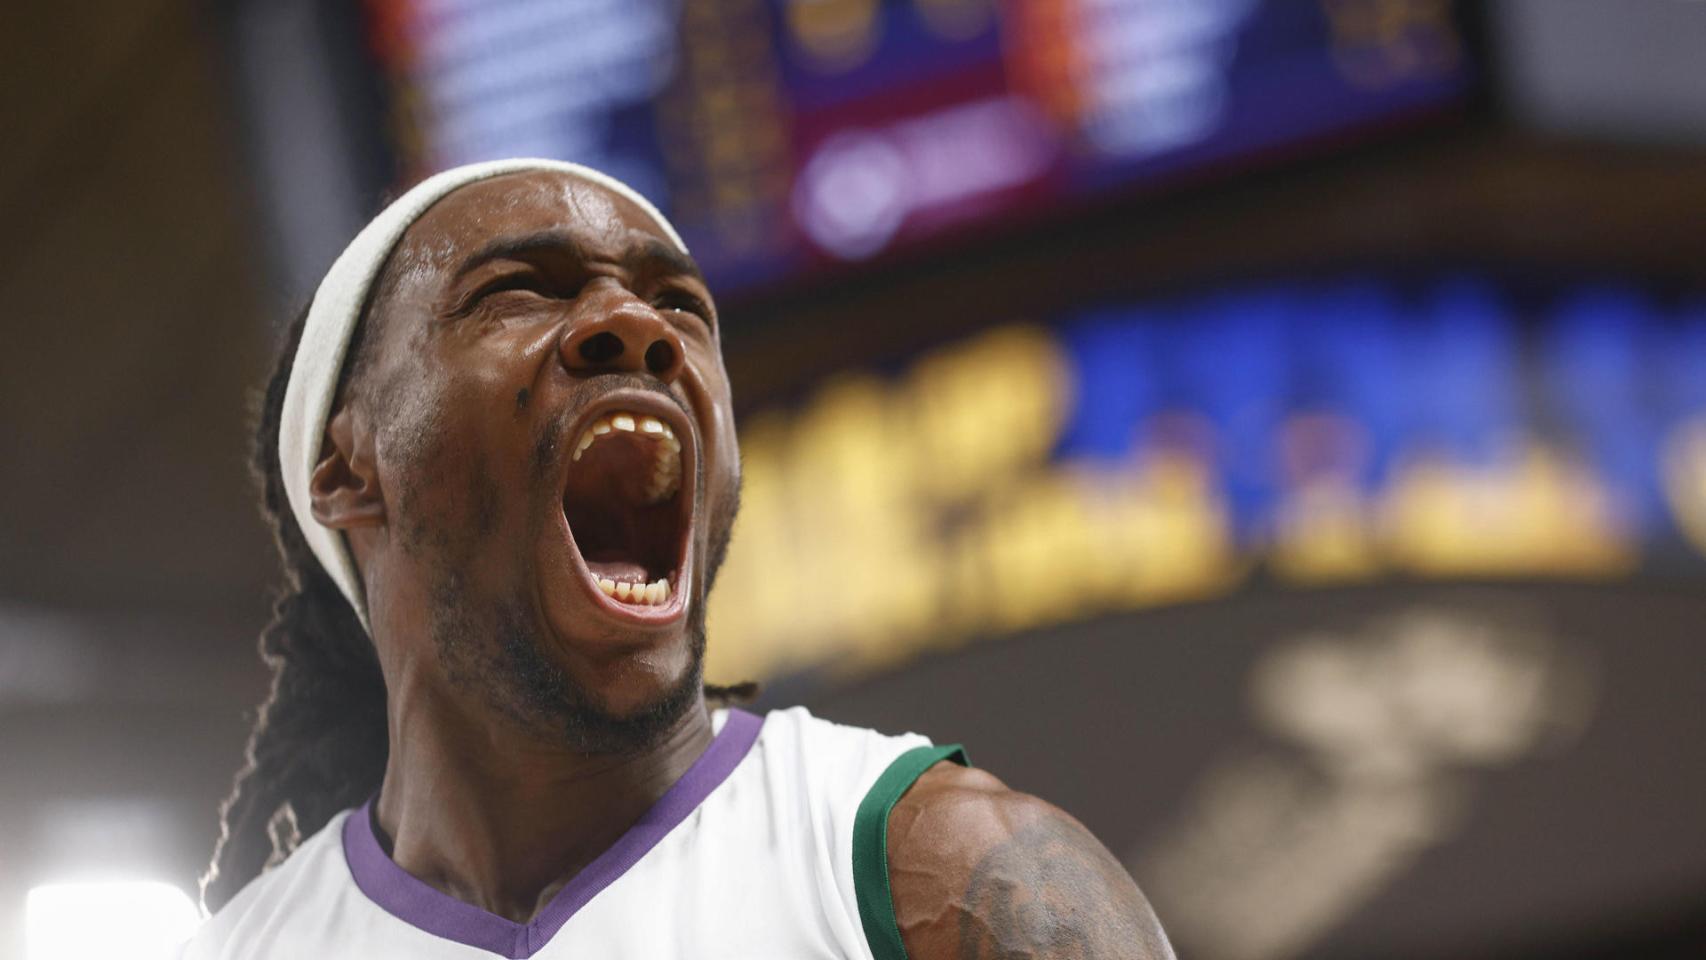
{"points": [[838, 34], [1685, 478], [145, 919]]}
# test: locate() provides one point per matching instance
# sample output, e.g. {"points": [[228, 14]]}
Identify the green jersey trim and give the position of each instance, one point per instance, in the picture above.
{"points": [[870, 845]]}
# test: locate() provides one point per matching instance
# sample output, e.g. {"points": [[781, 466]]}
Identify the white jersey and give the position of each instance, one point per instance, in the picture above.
{"points": [[770, 845]]}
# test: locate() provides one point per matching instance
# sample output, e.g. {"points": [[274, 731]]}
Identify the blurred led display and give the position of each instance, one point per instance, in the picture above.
{"points": [[1144, 454], [783, 133]]}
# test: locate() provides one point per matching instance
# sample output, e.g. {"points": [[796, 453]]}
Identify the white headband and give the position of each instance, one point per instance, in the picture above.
{"points": [[331, 320]]}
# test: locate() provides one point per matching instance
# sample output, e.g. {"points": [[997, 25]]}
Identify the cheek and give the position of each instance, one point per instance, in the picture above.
{"points": [[708, 389], [471, 386], [411, 430], [440, 450]]}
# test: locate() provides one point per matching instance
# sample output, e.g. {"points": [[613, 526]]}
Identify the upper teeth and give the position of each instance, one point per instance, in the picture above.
{"points": [[665, 479]]}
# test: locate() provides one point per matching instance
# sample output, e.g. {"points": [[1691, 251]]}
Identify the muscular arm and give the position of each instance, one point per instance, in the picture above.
{"points": [[980, 871]]}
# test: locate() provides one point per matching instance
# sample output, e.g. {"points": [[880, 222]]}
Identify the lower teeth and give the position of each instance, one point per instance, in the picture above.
{"points": [[638, 594]]}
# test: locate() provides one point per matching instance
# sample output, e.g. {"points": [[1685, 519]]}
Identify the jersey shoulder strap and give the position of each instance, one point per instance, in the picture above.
{"points": [[870, 845]]}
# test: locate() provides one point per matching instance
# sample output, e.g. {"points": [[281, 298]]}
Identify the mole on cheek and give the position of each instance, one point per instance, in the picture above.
{"points": [[521, 399]]}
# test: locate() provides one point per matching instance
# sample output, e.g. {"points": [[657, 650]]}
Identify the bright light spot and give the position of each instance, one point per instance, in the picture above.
{"points": [[861, 185], [853, 194], [85, 921]]}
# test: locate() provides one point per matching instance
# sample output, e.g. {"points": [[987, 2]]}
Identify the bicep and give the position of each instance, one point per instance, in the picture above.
{"points": [[980, 871]]}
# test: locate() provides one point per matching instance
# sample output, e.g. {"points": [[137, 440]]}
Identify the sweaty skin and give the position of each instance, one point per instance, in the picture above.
{"points": [[532, 720], [445, 467], [982, 872]]}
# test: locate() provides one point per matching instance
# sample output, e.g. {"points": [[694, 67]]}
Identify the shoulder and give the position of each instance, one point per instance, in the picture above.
{"points": [[313, 872], [979, 870], [830, 759], [798, 726]]}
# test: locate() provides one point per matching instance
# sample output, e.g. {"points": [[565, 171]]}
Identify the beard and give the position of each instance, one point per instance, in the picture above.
{"points": [[495, 647], [500, 658], [498, 654]]}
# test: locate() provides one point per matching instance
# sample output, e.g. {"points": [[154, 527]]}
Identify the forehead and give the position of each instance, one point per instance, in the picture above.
{"points": [[519, 204]]}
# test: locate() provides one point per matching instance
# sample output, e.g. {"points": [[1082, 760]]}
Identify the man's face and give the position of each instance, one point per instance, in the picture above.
{"points": [[553, 440]]}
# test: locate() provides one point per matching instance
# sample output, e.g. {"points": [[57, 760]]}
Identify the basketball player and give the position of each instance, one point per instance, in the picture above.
{"points": [[499, 459]]}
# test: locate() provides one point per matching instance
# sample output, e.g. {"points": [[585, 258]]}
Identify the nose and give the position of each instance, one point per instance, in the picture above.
{"points": [[628, 337]]}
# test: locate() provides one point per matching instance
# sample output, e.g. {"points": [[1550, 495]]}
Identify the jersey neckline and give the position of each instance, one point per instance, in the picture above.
{"points": [[433, 911]]}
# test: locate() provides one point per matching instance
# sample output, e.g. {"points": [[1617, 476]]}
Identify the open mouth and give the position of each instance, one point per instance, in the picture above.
{"points": [[623, 503]]}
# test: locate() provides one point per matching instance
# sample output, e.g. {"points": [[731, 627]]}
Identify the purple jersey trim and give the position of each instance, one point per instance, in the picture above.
{"points": [[429, 909]]}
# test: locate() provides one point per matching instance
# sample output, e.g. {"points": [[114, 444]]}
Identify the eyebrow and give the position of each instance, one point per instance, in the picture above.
{"points": [[649, 254], [666, 255]]}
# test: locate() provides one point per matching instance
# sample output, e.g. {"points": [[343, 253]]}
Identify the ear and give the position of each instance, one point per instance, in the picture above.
{"points": [[344, 490]]}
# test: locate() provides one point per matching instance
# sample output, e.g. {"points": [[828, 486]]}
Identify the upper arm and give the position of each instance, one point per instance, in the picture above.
{"points": [[977, 870]]}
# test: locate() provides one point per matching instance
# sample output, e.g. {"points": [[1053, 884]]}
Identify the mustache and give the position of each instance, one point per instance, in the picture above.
{"points": [[553, 433]]}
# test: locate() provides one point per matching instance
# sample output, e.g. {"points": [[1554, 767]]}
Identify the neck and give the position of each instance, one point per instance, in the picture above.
{"points": [[501, 819]]}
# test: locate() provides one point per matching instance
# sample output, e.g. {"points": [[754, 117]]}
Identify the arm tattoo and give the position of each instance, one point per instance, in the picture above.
{"points": [[1052, 891]]}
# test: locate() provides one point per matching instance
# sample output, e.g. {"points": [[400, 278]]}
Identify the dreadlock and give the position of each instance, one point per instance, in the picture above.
{"points": [[319, 742]]}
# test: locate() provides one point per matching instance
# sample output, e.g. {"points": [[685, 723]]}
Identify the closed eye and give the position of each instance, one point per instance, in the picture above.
{"points": [[685, 302], [525, 281]]}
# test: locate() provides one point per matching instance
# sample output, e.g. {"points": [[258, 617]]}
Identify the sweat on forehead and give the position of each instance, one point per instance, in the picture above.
{"points": [[529, 202]]}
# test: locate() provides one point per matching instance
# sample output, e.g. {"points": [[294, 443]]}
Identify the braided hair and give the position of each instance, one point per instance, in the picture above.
{"points": [[319, 744], [319, 741]]}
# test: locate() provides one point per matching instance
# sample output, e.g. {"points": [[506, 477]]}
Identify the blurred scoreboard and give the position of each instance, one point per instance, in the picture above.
{"points": [[1133, 456], [786, 134]]}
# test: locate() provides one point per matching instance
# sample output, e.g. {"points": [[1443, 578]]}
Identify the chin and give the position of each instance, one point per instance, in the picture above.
{"points": [[622, 700], [638, 711], [642, 683]]}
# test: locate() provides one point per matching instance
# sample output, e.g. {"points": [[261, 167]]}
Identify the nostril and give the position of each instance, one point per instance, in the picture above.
{"points": [[601, 347], [660, 356]]}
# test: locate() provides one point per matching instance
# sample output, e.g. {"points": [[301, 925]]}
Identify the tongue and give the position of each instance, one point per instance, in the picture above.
{"points": [[618, 570]]}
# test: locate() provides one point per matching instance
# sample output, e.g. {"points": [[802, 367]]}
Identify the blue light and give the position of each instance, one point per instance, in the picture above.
{"points": [[1115, 386], [1461, 377], [1235, 368], [1463, 363], [1353, 364], [1594, 357]]}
